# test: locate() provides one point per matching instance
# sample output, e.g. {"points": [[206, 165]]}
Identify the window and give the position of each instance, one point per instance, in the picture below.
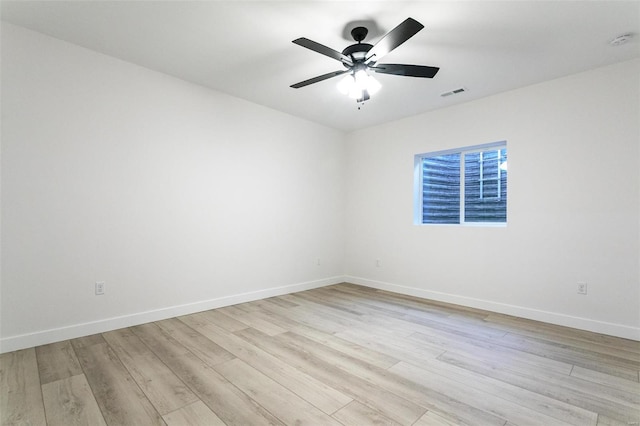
{"points": [[462, 186]]}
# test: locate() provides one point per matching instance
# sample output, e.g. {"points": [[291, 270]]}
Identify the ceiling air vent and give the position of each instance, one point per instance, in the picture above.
{"points": [[621, 39], [453, 92]]}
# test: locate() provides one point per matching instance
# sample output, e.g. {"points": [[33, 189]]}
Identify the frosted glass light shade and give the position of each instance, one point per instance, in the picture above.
{"points": [[355, 85], [344, 86]]}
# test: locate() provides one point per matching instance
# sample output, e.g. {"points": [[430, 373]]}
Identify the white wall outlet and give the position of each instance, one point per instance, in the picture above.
{"points": [[378, 263], [100, 288], [582, 288], [318, 262]]}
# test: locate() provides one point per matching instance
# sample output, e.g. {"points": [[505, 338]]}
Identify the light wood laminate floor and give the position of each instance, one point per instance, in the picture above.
{"points": [[342, 354]]}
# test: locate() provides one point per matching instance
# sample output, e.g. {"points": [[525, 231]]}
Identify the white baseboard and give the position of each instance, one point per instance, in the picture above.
{"points": [[587, 324], [13, 343]]}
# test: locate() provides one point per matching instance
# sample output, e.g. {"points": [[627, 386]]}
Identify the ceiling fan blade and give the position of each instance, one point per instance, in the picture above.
{"points": [[318, 78], [406, 70], [323, 50], [394, 38]]}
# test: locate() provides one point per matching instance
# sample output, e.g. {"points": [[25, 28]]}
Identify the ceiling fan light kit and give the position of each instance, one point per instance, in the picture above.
{"points": [[359, 85], [360, 60]]}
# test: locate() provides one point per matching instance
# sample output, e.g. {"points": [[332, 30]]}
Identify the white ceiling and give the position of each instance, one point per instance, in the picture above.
{"points": [[244, 48]]}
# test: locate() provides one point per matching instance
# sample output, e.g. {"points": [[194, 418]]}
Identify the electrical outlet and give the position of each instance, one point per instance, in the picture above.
{"points": [[318, 261], [377, 263], [582, 288], [100, 288]]}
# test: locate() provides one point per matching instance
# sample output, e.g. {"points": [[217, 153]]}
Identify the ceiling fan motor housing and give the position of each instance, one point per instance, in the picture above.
{"points": [[357, 51]]}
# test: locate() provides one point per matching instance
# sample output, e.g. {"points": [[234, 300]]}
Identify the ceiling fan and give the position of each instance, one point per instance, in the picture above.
{"points": [[361, 59]]}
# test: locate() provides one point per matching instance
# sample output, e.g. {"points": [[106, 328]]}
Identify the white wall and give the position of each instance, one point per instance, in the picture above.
{"points": [[178, 197], [573, 209], [183, 199]]}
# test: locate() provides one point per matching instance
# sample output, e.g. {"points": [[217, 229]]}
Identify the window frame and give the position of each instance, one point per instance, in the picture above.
{"points": [[419, 181]]}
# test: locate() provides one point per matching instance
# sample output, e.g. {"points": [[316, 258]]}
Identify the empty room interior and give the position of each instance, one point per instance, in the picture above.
{"points": [[310, 212]]}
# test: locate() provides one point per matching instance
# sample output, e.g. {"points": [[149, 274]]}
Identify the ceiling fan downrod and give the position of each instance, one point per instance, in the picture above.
{"points": [[357, 52]]}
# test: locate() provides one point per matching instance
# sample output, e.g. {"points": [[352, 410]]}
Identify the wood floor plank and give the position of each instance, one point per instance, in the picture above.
{"points": [[70, 401], [21, 402], [544, 329], [356, 413], [578, 343], [553, 389], [372, 357], [328, 339], [377, 398], [317, 296], [587, 387], [57, 361], [346, 314], [402, 324], [324, 321], [432, 419], [414, 311], [317, 393], [540, 403], [196, 414], [250, 320], [162, 387], [607, 421], [205, 349], [488, 350], [604, 379], [230, 404], [585, 357], [117, 394], [221, 320], [499, 404], [384, 343], [430, 397], [87, 341], [284, 404], [440, 309], [278, 300], [282, 320], [330, 320]]}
